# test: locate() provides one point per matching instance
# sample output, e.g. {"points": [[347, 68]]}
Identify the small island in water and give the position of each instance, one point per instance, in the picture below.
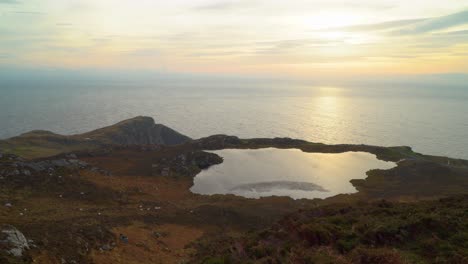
{"points": [[140, 192]]}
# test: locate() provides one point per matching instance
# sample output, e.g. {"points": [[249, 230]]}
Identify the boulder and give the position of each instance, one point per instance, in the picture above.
{"points": [[60, 163], [203, 160], [72, 156], [35, 166], [13, 241]]}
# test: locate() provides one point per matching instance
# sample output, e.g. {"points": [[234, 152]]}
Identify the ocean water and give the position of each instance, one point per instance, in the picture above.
{"points": [[432, 120], [285, 172]]}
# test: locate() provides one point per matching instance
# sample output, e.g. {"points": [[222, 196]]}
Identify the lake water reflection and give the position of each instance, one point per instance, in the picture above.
{"points": [[285, 172]]}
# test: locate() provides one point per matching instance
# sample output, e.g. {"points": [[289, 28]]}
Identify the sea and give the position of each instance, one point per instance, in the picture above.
{"points": [[431, 119]]}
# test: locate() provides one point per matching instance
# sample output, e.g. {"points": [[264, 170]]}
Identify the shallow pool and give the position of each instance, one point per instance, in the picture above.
{"points": [[285, 172]]}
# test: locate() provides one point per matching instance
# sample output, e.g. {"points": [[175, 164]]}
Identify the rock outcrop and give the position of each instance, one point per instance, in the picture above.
{"points": [[13, 241], [13, 165], [136, 131], [185, 163], [140, 130]]}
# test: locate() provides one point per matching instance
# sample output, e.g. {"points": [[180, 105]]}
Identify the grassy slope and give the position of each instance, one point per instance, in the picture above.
{"points": [[39, 144], [382, 232]]}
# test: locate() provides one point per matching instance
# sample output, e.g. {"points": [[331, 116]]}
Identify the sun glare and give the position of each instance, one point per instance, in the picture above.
{"points": [[324, 21]]}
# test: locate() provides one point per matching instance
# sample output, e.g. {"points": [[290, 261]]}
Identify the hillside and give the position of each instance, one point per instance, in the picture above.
{"points": [[367, 233], [135, 131], [134, 179]]}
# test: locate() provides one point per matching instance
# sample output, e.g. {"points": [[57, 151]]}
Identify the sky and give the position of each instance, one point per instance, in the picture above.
{"points": [[263, 37]]}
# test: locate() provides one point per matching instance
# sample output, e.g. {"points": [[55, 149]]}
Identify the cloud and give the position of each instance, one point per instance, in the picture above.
{"points": [[143, 53], [388, 25], [64, 24], [291, 46], [6, 56], [436, 23], [9, 2], [353, 4], [295, 43], [28, 12], [222, 5], [410, 26], [216, 6], [217, 54], [67, 49], [455, 33], [298, 7], [102, 39], [441, 40]]}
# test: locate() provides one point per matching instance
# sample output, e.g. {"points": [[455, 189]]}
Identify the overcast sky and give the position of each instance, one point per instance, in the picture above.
{"points": [[290, 38]]}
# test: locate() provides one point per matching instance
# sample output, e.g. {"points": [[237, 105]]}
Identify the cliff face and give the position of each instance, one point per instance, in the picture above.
{"points": [[136, 131]]}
